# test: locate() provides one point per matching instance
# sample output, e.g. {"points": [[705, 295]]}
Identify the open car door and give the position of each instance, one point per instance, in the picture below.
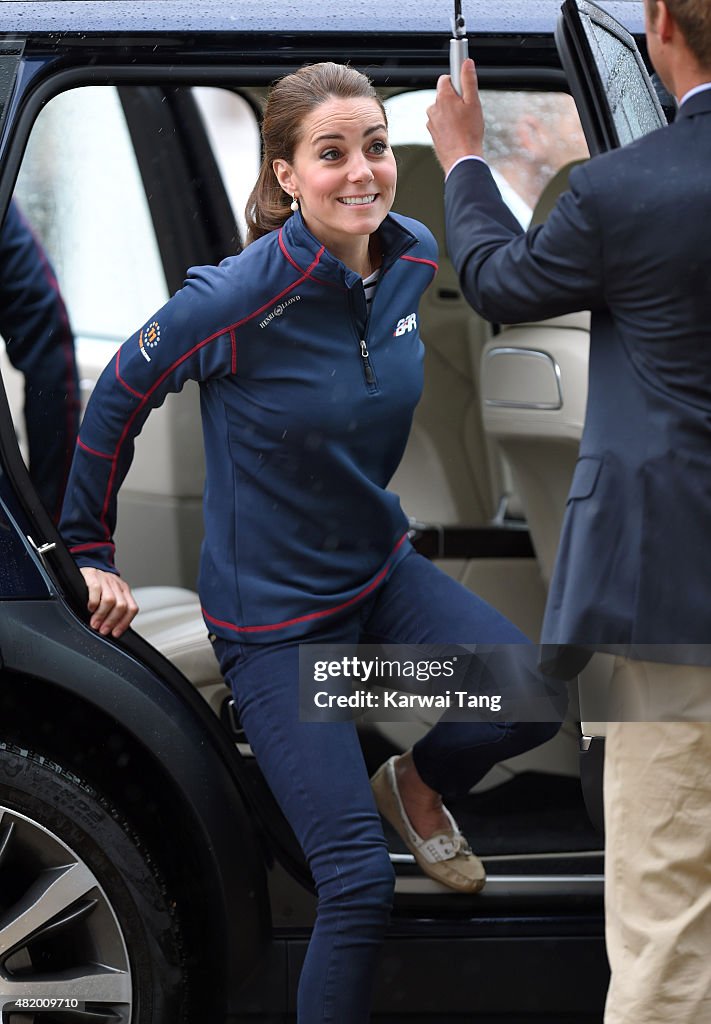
{"points": [[614, 94]]}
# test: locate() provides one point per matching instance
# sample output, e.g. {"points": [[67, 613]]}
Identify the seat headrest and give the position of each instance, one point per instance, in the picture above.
{"points": [[420, 188], [555, 187]]}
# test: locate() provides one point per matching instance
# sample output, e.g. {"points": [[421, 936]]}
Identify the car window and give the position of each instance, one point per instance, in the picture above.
{"points": [[80, 188], [529, 136], [233, 132]]}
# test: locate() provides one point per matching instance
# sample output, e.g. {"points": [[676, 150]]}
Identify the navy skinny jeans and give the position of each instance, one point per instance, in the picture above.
{"points": [[317, 773]]}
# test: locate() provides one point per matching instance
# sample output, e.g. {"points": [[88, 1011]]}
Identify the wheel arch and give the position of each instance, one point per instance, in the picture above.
{"points": [[75, 698]]}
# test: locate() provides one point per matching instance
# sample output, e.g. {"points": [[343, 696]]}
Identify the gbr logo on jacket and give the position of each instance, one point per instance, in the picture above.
{"points": [[405, 325]]}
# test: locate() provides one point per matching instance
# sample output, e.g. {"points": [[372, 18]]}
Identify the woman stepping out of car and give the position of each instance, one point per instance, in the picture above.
{"points": [[309, 359]]}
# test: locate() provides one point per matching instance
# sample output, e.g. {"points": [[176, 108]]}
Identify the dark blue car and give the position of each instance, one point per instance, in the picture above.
{"points": [[146, 874]]}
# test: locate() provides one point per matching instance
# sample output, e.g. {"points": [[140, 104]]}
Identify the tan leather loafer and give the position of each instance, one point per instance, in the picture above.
{"points": [[446, 856]]}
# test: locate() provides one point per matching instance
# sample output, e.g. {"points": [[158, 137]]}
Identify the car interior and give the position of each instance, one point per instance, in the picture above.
{"points": [[483, 480]]}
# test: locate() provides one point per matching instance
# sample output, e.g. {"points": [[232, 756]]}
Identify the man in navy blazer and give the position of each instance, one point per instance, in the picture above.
{"points": [[631, 241]]}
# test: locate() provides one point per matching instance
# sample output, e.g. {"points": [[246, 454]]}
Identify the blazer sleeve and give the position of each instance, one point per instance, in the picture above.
{"points": [[510, 276], [185, 340]]}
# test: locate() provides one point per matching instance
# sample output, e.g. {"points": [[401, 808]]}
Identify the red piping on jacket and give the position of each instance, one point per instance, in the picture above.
{"points": [[92, 451], [307, 273], [417, 259], [313, 615], [233, 342], [120, 379], [206, 341], [88, 547]]}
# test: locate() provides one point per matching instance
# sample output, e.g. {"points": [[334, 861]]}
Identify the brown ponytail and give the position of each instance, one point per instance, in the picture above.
{"points": [[290, 100]]}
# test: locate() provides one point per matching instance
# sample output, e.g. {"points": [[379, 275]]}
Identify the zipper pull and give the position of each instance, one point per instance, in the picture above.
{"points": [[369, 376]]}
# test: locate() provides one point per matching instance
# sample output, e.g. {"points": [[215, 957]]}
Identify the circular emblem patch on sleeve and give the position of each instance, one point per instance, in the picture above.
{"points": [[148, 339]]}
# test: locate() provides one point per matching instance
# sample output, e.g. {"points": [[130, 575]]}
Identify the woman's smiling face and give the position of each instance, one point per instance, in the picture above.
{"points": [[343, 171]]}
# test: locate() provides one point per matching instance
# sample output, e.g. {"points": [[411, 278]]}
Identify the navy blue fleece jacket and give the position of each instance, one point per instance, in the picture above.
{"points": [[306, 405]]}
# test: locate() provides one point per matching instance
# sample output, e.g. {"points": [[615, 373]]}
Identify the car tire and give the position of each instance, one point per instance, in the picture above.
{"points": [[81, 899]]}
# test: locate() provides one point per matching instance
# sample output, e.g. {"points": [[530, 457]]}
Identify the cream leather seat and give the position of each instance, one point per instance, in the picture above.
{"points": [[448, 475], [534, 390]]}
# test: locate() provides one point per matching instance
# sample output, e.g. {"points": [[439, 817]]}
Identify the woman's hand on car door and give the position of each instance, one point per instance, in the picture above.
{"points": [[111, 602]]}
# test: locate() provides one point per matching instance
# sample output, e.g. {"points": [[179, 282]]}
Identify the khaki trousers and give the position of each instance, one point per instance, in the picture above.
{"points": [[657, 788]]}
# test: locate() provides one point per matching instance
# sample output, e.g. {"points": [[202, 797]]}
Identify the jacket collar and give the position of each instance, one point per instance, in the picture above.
{"points": [[699, 103], [307, 254]]}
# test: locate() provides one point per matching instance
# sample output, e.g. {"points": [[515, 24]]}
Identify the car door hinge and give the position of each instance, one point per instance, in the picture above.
{"points": [[42, 549]]}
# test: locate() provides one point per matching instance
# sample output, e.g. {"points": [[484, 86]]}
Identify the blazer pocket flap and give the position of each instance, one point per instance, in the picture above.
{"points": [[587, 470]]}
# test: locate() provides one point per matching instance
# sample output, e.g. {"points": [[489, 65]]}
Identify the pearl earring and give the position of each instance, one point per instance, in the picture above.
{"points": [[295, 204]]}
